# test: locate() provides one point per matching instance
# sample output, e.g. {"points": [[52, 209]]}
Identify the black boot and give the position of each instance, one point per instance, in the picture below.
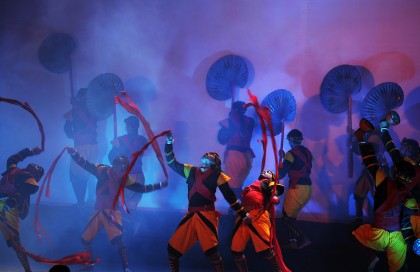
{"points": [[174, 263], [240, 261], [214, 255], [23, 259], [122, 250], [270, 256], [218, 265], [87, 247], [358, 221]]}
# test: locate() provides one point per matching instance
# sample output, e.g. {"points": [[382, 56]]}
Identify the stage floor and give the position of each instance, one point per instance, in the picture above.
{"points": [[147, 232]]}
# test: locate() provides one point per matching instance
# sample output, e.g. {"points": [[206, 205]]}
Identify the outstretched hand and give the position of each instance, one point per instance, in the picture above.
{"points": [[71, 150], [164, 184], [247, 219], [115, 143], [281, 153], [169, 138], [36, 150]]}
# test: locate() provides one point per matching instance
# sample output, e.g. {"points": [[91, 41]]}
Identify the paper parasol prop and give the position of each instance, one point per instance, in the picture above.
{"points": [[380, 100], [100, 95], [54, 54], [282, 106], [224, 75], [336, 90]]}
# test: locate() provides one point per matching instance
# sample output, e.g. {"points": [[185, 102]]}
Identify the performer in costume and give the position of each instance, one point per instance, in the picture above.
{"points": [[297, 164], [365, 182], [16, 186], [411, 213], [109, 179], [236, 132], [391, 229], [255, 199], [128, 144], [202, 220], [81, 126]]}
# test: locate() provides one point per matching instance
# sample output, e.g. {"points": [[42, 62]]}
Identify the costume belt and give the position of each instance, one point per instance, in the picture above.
{"points": [[251, 207], [202, 208]]}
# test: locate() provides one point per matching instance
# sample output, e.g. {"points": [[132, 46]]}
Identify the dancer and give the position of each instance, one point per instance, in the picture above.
{"points": [[365, 182], [16, 186], [236, 132], [109, 179], [202, 220], [410, 149], [255, 199], [81, 126], [390, 201], [128, 144], [297, 164]]}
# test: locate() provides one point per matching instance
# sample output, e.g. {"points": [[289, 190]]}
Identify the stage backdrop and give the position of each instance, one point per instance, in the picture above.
{"points": [[162, 50]]}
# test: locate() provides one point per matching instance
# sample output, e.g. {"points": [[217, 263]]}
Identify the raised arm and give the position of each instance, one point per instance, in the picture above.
{"points": [[140, 188], [178, 167], [83, 162], [14, 159]]}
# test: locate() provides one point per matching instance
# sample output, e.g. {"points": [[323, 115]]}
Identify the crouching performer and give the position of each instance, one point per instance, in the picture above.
{"points": [[391, 198], [255, 199]]}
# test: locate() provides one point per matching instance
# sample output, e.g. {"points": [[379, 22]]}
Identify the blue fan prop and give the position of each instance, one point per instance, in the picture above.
{"points": [[380, 100], [338, 85], [54, 52], [282, 106], [336, 90], [224, 75], [100, 95]]}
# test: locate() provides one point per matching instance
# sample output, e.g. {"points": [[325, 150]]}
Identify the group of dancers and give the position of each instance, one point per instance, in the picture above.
{"points": [[395, 227]]}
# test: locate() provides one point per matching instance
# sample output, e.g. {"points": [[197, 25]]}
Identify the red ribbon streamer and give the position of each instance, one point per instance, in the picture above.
{"points": [[264, 116], [127, 172], [131, 107], [26, 106], [82, 258], [46, 181]]}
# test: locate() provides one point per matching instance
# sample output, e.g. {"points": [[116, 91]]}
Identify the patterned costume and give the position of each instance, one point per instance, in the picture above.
{"points": [[410, 148], [127, 145], [16, 186], [81, 126], [201, 221], [365, 182], [393, 205], [104, 216], [297, 164], [236, 133], [255, 197]]}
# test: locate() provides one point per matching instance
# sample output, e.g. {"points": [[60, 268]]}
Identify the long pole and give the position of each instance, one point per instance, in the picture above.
{"points": [[350, 131]]}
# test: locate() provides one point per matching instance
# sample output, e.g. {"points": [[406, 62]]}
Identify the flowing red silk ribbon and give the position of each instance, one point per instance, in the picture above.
{"points": [[131, 107], [264, 116], [127, 172], [28, 108], [81, 258], [46, 181]]}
